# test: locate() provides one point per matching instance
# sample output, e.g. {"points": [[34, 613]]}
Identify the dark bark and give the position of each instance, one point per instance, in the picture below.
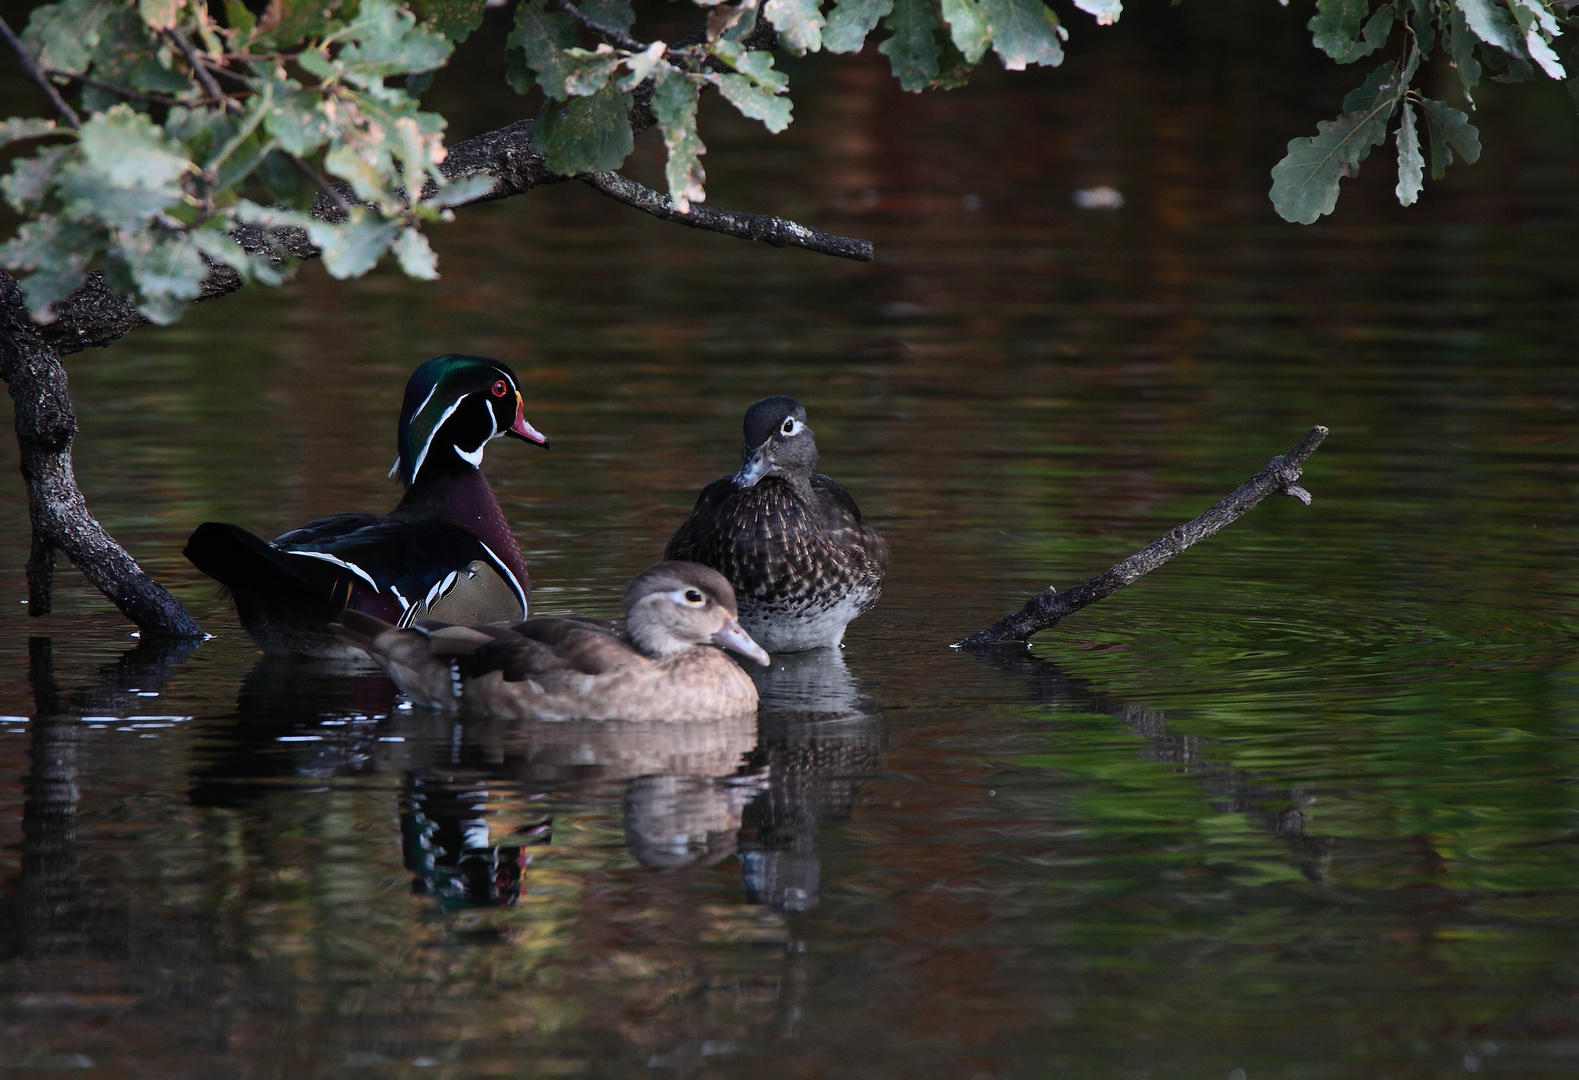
{"points": [[1049, 607], [45, 427], [763, 227]]}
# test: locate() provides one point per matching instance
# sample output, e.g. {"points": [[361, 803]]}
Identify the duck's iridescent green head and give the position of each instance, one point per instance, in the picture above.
{"points": [[455, 405]]}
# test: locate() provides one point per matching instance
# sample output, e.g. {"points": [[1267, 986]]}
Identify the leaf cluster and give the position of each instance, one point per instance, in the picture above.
{"points": [[1509, 39], [210, 127], [198, 127]]}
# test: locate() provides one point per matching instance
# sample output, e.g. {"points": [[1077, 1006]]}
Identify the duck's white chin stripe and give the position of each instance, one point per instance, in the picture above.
{"points": [[474, 457]]}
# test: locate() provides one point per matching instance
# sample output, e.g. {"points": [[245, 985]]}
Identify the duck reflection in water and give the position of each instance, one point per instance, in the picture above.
{"points": [[445, 843], [682, 786], [691, 793], [818, 734]]}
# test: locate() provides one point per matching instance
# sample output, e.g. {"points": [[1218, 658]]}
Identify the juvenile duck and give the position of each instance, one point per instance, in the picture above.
{"points": [[445, 551], [658, 664], [791, 541]]}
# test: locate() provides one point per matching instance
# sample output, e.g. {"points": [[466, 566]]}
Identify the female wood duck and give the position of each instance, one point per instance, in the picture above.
{"points": [[658, 664], [791, 541], [444, 552]]}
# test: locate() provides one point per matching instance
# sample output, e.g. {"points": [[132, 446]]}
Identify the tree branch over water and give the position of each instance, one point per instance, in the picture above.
{"points": [[764, 227], [1049, 607], [95, 315]]}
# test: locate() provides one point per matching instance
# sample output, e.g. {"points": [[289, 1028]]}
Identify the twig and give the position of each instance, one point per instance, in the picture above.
{"points": [[122, 92], [617, 38], [31, 69], [204, 77], [1049, 606], [768, 229]]}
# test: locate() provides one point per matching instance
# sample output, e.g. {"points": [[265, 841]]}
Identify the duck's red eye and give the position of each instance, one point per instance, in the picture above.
{"points": [[501, 388]]}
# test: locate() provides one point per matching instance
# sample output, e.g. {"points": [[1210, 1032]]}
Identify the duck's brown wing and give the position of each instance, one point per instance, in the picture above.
{"points": [[553, 632], [845, 528], [550, 651]]}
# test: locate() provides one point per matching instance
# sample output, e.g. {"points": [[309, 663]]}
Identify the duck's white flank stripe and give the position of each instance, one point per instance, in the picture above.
{"points": [[326, 557], [520, 593]]}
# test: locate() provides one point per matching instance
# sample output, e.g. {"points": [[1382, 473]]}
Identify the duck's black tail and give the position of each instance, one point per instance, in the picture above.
{"points": [[265, 582]]}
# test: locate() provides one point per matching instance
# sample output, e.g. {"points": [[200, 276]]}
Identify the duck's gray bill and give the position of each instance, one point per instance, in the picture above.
{"points": [[733, 637], [760, 465]]}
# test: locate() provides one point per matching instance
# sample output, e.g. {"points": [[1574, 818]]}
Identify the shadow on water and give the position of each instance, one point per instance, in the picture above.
{"points": [[1276, 810], [279, 732]]}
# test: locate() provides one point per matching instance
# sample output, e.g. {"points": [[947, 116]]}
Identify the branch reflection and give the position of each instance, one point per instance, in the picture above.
{"points": [[1279, 811], [50, 913]]}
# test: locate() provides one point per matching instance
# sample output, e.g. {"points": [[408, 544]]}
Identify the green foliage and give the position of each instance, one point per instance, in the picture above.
{"points": [[589, 134], [1336, 29], [1512, 38], [674, 102], [850, 21], [1450, 130], [453, 19], [161, 173], [969, 28], [1305, 183], [1025, 32], [1411, 165], [913, 50], [63, 36], [541, 50], [799, 23]]}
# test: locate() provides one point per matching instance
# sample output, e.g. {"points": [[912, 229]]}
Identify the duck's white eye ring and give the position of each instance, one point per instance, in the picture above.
{"points": [[693, 596], [791, 426]]}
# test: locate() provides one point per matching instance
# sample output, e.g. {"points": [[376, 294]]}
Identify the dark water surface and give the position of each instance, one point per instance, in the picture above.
{"points": [[1303, 804]]}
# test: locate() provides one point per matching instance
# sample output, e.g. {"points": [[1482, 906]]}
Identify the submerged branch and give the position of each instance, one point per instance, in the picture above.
{"points": [[1049, 607]]}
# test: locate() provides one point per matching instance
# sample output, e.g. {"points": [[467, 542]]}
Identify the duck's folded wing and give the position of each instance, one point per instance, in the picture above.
{"points": [[844, 525], [695, 536], [554, 632], [264, 578], [427, 675], [556, 652], [430, 569]]}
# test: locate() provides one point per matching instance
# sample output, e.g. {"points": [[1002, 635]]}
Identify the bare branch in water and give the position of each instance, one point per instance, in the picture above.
{"points": [[1049, 607]]}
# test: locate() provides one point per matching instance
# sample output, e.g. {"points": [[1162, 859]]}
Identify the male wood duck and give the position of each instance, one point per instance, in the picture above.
{"points": [[659, 663], [445, 551], [793, 544]]}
